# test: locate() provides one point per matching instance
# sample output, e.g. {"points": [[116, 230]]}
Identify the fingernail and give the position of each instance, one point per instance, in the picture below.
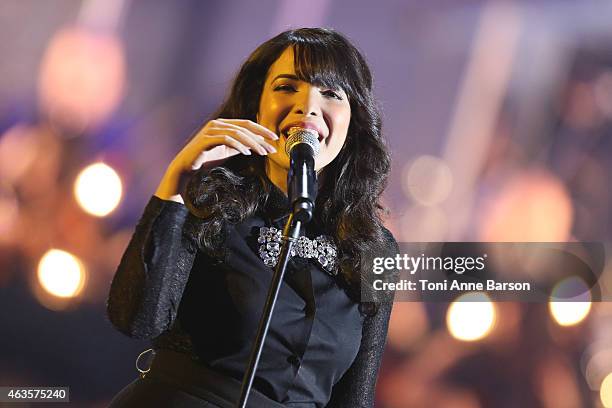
{"points": [[247, 152]]}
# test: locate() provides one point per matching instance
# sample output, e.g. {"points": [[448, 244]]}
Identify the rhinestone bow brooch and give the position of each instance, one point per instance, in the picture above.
{"points": [[322, 249]]}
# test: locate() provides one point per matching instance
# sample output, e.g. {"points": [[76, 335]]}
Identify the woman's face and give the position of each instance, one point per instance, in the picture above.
{"points": [[286, 102]]}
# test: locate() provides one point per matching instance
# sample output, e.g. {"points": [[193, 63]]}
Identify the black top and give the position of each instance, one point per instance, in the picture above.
{"points": [[319, 348]]}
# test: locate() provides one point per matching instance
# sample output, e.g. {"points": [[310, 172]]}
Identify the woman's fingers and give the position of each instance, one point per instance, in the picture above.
{"points": [[243, 136], [252, 126], [220, 139], [215, 156], [227, 140], [252, 129]]}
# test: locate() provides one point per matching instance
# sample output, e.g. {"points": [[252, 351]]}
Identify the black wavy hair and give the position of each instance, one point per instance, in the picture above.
{"points": [[350, 186]]}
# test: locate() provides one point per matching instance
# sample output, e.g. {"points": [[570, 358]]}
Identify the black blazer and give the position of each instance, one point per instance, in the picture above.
{"points": [[319, 347]]}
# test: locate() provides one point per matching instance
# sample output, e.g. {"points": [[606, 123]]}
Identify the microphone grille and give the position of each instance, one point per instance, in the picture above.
{"points": [[299, 135]]}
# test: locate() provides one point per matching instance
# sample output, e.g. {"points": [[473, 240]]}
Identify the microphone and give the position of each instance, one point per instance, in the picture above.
{"points": [[302, 147]]}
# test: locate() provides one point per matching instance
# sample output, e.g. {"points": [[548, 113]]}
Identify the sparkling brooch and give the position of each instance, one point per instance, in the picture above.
{"points": [[322, 249]]}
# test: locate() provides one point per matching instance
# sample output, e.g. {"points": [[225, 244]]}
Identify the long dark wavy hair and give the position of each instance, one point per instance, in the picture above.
{"points": [[350, 186]]}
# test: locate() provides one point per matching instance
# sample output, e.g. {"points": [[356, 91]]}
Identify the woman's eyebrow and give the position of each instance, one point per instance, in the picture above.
{"points": [[288, 76]]}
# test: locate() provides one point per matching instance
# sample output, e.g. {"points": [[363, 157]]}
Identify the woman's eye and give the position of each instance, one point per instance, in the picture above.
{"points": [[332, 94], [284, 87]]}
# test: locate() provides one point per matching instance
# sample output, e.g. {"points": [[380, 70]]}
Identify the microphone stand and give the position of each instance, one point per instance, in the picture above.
{"points": [[301, 182], [291, 232]]}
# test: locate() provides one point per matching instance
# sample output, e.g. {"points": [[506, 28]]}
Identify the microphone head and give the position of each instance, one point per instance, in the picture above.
{"points": [[297, 135]]}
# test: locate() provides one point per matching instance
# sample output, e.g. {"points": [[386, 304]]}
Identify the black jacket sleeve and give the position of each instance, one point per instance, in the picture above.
{"points": [[356, 388], [149, 282]]}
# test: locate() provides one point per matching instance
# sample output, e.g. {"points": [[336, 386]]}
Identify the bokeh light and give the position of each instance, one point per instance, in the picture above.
{"points": [[20, 142], [98, 189], [428, 180], [576, 304], [597, 362], [605, 392], [532, 206], [471, 316], [82, 77], [61, 274]]}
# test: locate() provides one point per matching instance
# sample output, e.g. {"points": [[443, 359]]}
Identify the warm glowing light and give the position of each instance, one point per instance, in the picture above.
{"points": [[98, 189], [533, 206], [82, 77], [569, 313], [576, 304], [471, 316], [428, 180], [61, 273], [605, 392], [18, 141], [598, 358]]}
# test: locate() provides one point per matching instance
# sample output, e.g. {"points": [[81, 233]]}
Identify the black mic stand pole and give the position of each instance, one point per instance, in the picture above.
{"points": [[291, 232], [302, 211]]}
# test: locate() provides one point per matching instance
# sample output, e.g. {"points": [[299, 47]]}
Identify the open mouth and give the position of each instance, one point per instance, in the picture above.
{"points": [[286, 134]]}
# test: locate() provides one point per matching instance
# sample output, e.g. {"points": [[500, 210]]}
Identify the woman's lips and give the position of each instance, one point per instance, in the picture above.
{"points": [[303, 125]]}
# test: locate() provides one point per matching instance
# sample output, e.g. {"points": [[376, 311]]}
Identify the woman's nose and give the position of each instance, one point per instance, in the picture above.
{"points": [[307, 103]]}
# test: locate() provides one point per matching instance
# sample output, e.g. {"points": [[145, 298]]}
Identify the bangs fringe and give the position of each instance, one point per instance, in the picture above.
{"points": [[325, 68]]}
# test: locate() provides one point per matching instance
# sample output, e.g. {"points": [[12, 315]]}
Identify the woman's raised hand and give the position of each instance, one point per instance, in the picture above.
{"points": [[218, 140]]}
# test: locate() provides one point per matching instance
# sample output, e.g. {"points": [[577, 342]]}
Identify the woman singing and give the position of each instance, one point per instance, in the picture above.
{"points": [[195, 275]]}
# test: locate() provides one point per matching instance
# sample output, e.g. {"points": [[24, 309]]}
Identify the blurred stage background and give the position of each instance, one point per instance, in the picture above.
{"points": [[498, 116]]}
